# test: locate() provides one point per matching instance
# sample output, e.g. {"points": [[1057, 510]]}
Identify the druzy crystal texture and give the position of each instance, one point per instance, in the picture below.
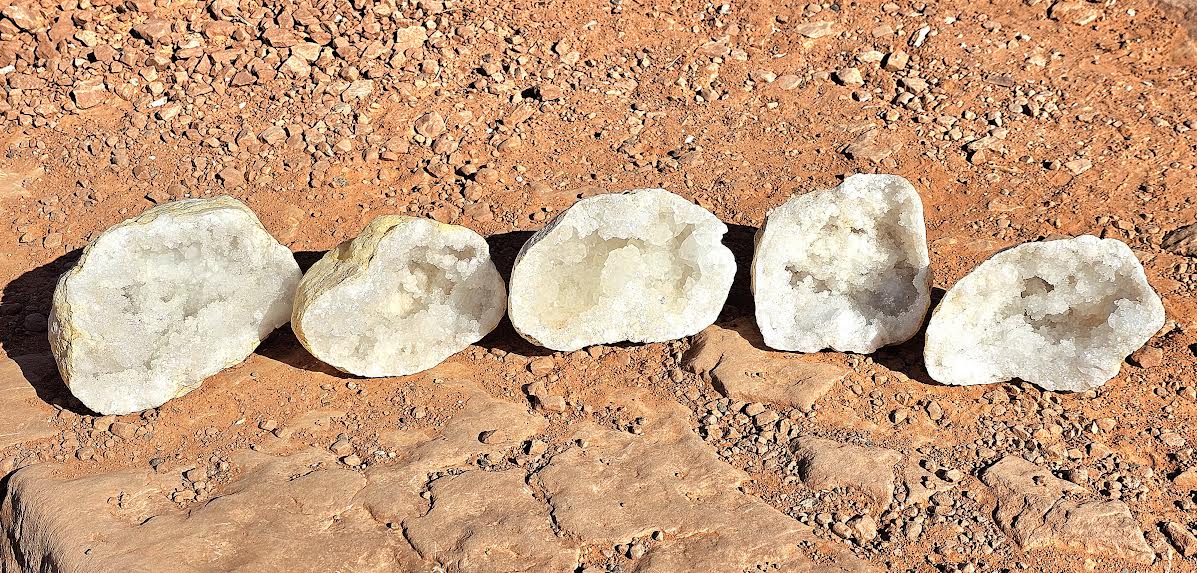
{"points": [[641, 266], [160, 302], [844, 268], [1060, 314]]}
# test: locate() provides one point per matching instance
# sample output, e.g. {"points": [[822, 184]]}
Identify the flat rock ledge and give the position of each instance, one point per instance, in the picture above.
{"points": [[302, 511], [727, 354], [826, 464]]}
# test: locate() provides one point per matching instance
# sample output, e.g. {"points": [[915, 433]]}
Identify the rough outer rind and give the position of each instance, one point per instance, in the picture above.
{"points": [[631, 314], [67, 336], [1001, 321], [861, 251], [351, 264]]}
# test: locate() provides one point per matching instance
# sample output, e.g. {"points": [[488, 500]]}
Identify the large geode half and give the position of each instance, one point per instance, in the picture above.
{"points": [[1061, 314], [158, 303], [641, 266]]}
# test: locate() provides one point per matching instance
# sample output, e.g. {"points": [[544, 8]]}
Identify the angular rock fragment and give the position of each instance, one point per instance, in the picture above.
{"points": [[430, 125], [1035, 509], [1059, 314], [1079, 13], [868, 146], [826, 464], [90, 93], [25, 15], [815, 29], [1182, 538], [153, 31], [543, 399], [161, 301], [844, 268], [400, 298], [642, 266], [1187, 479], [1182, 241], [409, 38], [741, 372]]}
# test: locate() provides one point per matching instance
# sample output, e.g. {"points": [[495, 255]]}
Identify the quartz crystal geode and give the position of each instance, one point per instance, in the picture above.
{"points": [[1060, 314], [399, 298], [158, 303], [845, 268], [641, 266]]}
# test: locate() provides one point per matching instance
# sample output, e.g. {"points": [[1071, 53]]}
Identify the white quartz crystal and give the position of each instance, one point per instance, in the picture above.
{"points": [[1060, 314], [641, 266], [160, 302], [844, 268], [400, 298]]}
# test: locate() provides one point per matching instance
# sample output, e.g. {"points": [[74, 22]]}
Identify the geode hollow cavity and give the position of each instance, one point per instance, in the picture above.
{"points": [[641, 266], [399, 298], [844, 268], [1060, 314], [160, 302]]}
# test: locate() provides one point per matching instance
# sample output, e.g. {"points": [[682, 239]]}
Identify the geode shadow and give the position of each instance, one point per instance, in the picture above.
{"points": [[907, 357], [24, 308], [740, 240], [282, 345], [504, 247]]}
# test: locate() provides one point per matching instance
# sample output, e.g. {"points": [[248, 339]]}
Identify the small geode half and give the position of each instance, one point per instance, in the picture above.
{"points": [[399, 298]]}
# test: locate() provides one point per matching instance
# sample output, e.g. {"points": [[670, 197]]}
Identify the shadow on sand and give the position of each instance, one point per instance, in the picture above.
{"points": [[24, 306]]}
